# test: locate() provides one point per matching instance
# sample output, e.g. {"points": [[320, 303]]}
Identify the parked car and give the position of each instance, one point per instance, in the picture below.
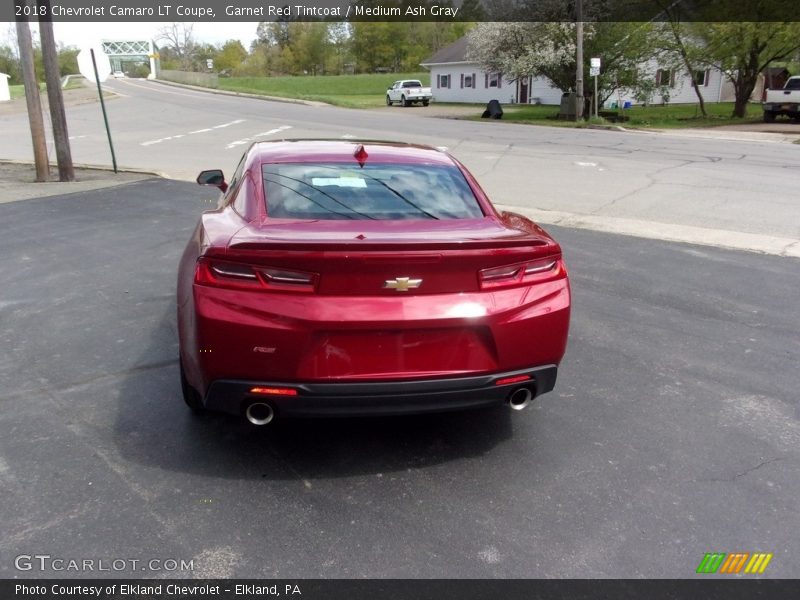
{"points": [[783, 102], [358, 278], [408, 92]]}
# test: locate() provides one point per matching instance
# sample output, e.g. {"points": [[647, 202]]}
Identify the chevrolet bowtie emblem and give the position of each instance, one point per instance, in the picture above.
{"points": [[402, 284]]}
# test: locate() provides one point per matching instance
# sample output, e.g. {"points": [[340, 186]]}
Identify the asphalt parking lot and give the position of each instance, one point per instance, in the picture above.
{"points": [[673, 429]]}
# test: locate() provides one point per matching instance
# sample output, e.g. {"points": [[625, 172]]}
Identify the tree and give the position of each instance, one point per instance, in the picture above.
{"points": [[547, 49], [678, 52], [742, 50], [178, 38], [373, 45], [230, 56], [9, 64], [68, 60]]}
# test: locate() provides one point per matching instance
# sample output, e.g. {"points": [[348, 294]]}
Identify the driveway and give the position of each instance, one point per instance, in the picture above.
{"points": [[673, 430]]}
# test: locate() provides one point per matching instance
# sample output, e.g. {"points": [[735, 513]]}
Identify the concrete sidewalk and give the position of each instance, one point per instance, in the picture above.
{"points": [[18, 181]]}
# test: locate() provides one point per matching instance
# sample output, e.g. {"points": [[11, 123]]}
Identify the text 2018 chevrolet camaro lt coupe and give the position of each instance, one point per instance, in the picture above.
{"points": [[358, 278]]}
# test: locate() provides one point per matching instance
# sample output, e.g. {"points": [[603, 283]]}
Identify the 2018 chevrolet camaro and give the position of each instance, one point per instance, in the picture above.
{"points": [[364, 278]]}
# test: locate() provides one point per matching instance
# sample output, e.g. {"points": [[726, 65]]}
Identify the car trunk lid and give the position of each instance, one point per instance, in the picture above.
{"points": [[388, 257]]}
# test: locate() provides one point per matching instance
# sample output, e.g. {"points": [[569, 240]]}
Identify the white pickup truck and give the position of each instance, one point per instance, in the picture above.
{"points": [[407, 92], [783, 102]]}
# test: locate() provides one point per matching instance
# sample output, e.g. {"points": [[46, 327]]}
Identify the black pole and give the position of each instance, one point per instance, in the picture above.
{"points": [[103, 106]]}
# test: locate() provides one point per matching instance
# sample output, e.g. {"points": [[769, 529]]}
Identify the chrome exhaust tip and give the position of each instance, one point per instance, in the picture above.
{"points": [[519, 398], [260, 413]]}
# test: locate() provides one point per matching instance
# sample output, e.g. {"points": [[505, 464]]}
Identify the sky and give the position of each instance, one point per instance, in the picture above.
{"points": [[80, 34]]}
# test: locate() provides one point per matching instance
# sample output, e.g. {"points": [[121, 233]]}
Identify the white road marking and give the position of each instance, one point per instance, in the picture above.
{"points": [[348, 136], [180, 135], [256, 136], [77, 137], [586, 164], [236, 122], [158, 88], [108, 90]]}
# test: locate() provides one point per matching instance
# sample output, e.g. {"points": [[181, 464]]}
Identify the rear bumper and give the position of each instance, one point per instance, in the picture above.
{"points": [[781, 107], [378, 398]]}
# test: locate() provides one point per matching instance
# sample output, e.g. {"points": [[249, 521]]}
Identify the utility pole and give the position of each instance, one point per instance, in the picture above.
{"points": [[55, 98], [579, 61], [33, 101]]}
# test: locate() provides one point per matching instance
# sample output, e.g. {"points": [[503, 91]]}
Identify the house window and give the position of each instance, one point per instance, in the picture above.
{"points": [[495, 80], [468, 81], [665, 78], [443, 81], [701, 77]]}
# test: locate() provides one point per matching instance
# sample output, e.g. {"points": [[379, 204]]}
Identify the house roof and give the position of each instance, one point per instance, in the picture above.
{"points": [[776, 71], [454, 53]]}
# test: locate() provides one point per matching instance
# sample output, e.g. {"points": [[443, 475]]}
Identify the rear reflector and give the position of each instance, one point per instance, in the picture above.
{"points": [[514, 379], [273, 391]]}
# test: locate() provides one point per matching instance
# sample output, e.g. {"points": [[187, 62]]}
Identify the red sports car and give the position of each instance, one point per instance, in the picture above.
{"points": [[364, 278]]}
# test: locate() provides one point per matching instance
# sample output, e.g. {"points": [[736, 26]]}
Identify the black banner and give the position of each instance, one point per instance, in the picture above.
{"points": [[399, 10], [398, 589]]}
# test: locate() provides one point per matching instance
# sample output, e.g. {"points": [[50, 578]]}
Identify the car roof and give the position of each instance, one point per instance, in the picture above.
{"points": [[318, 150]]}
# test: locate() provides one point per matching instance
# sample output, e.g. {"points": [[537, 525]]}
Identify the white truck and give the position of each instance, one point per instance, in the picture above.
{"points": [[408, 92], [783, 102]]}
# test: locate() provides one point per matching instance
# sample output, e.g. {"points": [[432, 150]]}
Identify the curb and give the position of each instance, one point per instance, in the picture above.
{"points": [[198, 88], [89, 167], [667, 232]]}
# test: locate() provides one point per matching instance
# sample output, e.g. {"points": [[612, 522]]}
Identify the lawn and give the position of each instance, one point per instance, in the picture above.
{"points": [[18, 91], [645, 117], [352, 91], [368, 91]]}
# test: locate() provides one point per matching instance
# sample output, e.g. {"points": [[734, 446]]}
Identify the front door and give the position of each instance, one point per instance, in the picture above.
{"points": [[523, 90]]}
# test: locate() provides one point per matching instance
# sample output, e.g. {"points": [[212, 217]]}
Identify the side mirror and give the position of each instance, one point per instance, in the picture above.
{"points": [[213, 177]]}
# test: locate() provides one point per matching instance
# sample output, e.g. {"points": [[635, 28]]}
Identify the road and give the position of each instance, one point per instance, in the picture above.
{"points": [[673, 429], [724, 192]]}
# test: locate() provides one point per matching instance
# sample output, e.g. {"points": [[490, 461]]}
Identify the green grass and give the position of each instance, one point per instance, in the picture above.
{"points": [[75, 82], [655, 117], [18, 91], [352, 91], [368, 91]]}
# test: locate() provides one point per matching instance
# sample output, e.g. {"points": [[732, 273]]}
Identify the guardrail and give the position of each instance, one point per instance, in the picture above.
{"points": [[209, 80]]}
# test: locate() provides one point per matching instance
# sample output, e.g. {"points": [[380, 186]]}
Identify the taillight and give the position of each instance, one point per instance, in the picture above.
{"points": [[521, 273], [227, 274]]}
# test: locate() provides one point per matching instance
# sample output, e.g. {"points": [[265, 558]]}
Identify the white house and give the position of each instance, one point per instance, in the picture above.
{"points": [[455, 79], [5, 94]]}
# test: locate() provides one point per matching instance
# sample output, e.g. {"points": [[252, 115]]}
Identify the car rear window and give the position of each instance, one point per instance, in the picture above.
{"points": [[412, 84], [377, 191]]}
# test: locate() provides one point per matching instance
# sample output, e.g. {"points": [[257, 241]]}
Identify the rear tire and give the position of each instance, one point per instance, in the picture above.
{"points": [[769, 117], [388, 101], [190, 395], [425, 102], [405, 101]]}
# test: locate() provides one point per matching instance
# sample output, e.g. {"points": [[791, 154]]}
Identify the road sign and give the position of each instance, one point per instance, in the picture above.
{"points": [[594, 71], [210, 63], [85, 64], [594, 63]]}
